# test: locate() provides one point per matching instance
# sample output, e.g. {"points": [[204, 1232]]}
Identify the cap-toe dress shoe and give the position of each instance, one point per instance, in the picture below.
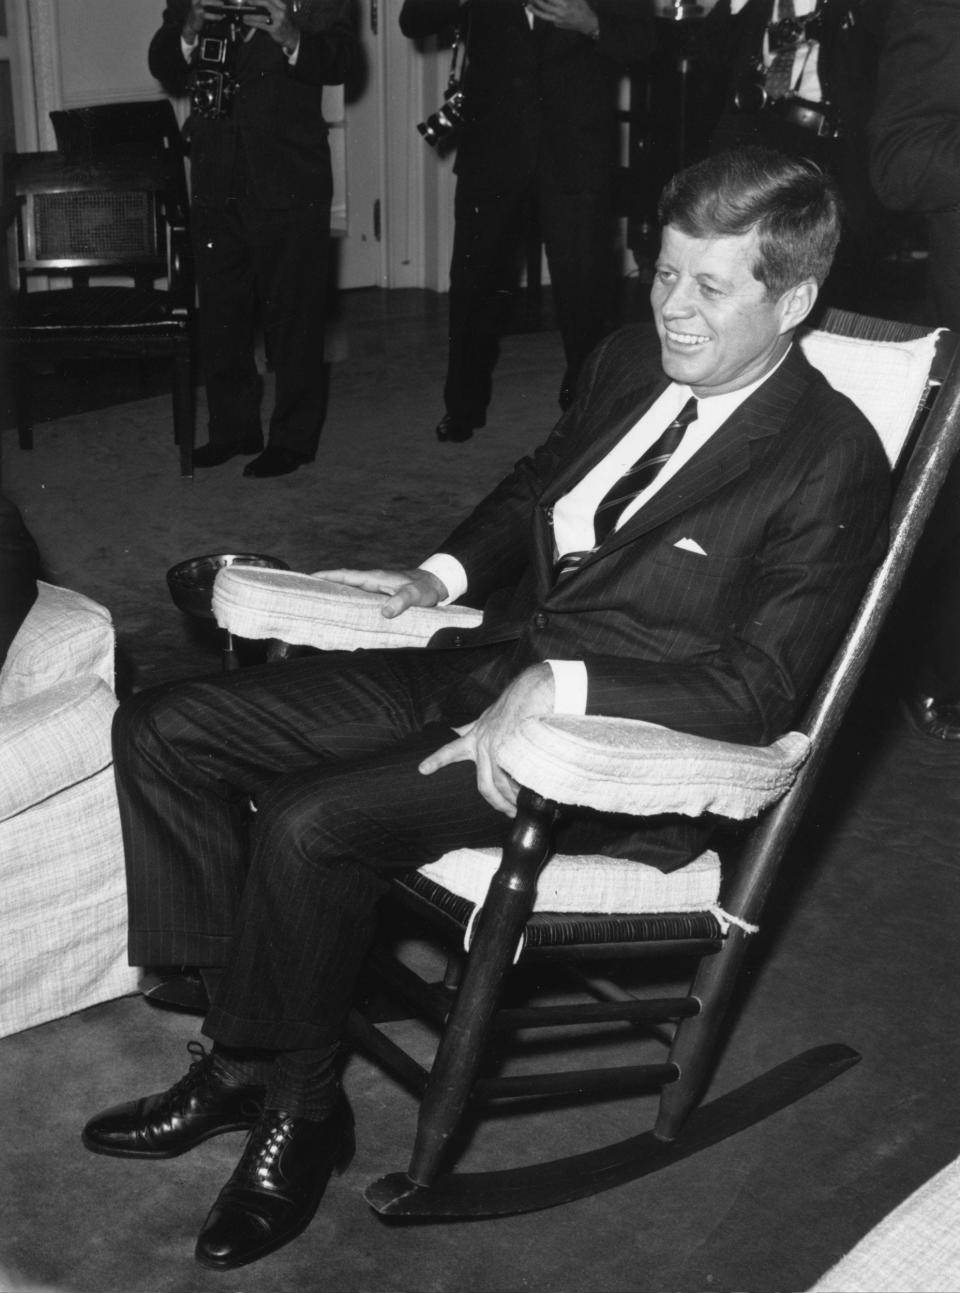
{"points": [[213, 455], [454, 429], [937, 718], [274, 461], [276, 1187], [202, 1104]]}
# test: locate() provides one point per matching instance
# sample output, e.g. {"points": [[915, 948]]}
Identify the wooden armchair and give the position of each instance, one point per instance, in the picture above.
{"points": [[530, 907]]}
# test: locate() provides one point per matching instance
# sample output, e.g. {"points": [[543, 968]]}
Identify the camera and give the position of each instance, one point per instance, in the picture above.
{"points": [[441, 124], [213, 83], [788, 33]]}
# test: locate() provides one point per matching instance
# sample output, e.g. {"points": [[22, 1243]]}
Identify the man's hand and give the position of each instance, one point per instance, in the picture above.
{"points": [[571, 15], [404, 587], [277, 24], [530, 694]]}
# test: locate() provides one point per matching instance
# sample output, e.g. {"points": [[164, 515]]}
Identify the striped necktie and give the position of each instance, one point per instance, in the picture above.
{"points": [[642, 473], [623, 491]]}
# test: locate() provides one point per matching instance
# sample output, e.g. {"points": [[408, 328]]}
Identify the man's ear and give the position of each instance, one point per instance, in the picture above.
{"points": [[796, 303]]}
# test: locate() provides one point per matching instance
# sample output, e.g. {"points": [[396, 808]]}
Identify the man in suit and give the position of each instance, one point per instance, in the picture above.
{"points": [[799, 75], [260, 211], [914, 137], [706, 597], [538, 141]]}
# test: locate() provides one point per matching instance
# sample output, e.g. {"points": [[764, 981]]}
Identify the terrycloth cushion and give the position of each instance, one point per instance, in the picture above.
{"points": [[306, 610], [52, 741], [621, 765], [64, 636], [588, 883], [885, 379]]}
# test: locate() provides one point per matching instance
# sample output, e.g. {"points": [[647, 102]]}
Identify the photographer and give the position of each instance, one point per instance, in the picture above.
{"points": [[260, 213], [539, 133]]}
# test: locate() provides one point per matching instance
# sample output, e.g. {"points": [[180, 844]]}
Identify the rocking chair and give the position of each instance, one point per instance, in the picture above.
{"points": [[544, 909]]}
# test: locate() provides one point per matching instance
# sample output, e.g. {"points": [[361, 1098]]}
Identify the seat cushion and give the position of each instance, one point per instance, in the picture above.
{"points": [[52, 741], [64, 636], [589, 883], [97, 308]]}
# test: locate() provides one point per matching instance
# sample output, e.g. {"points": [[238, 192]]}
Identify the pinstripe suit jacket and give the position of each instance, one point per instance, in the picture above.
{"points": [[788, 502]]}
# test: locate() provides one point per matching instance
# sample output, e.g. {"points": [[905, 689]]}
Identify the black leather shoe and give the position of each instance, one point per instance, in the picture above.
{"points": [[213, 455], [197, 1107], [175, 987], [937, 718], [276, 1187], [455, 429], [274, 461]]}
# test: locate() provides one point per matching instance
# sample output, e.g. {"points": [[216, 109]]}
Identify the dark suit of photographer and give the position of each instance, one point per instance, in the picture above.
{"points": [[539, 127], [261, 191], [821, 115]]}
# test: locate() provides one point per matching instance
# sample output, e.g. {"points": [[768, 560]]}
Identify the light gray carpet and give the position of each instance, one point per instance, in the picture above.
{"points": [[859, 948]]}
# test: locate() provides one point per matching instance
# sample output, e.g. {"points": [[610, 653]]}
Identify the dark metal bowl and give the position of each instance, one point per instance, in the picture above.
{"points": [[191, 582]]}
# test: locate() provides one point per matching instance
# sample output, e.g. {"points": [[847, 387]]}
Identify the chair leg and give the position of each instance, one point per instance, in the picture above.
{"points": [[696, 1038], [184, 411], [499, 928]]}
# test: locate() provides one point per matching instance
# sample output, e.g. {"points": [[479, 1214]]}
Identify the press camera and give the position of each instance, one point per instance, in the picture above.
{"points": [[442, 123], [214, 82]]}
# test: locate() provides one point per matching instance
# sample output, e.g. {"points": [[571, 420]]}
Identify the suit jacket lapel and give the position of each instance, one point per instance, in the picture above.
{"points": [[600, 435], [725, 456]]}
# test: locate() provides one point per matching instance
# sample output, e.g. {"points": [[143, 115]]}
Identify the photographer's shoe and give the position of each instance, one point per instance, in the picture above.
{"points": [[274, 461], [455, 429], [202, 1104], [276, 1187], [214, 455]]}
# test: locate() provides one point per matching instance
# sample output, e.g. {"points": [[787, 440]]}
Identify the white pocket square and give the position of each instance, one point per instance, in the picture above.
{"points": [[690, 545]]}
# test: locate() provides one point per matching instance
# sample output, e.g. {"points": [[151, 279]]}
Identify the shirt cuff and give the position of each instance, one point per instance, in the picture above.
{"points": [[570, 686], [449, 570], [187, 49]]}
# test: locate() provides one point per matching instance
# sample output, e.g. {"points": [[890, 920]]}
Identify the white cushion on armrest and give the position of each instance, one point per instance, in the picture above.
{"points": [[306, 610], [621, 765]]}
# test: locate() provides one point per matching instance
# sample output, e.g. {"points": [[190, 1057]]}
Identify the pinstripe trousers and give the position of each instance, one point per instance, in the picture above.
{"points": [[262, 811]]}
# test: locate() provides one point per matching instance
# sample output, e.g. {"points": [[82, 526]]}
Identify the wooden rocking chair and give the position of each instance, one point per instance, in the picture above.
{"points": [[908, 384]]}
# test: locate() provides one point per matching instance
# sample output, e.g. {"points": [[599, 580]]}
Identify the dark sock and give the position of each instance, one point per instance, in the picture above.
{"points": [[305, 1083], [241, 1067]]}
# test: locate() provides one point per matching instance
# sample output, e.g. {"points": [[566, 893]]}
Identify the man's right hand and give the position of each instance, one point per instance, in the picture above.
{"points": [[403, 587]]}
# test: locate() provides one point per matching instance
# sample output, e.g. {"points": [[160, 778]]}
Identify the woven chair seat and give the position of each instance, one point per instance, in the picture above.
{"points": [[97, 309]]}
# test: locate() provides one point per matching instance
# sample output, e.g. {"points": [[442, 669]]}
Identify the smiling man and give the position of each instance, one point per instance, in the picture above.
{"points": [[685, 548]]}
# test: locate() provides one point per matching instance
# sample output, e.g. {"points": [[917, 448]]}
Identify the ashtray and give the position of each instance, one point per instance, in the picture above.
{"points": [[191, 582]]}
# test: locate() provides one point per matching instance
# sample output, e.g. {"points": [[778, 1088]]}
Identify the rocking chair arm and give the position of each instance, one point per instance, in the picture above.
{"points": [[306, 610], [620, 765]]}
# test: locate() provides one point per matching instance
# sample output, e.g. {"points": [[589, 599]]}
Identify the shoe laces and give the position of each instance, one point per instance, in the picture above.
{"points": [[266, 1144], [200, 1068]]}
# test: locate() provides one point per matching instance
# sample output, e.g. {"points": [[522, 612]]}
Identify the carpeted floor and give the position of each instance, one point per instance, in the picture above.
{"points": [[859, 947]]}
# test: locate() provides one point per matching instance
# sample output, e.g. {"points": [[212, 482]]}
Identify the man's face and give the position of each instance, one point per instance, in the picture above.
{"points": [[718, 329]]}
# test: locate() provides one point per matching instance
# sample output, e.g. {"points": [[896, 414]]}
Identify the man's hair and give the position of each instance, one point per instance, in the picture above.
{"points": [[793, 205]]}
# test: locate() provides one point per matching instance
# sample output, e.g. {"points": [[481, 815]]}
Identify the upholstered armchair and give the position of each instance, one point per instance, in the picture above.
{"points": [[62, 885]]}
